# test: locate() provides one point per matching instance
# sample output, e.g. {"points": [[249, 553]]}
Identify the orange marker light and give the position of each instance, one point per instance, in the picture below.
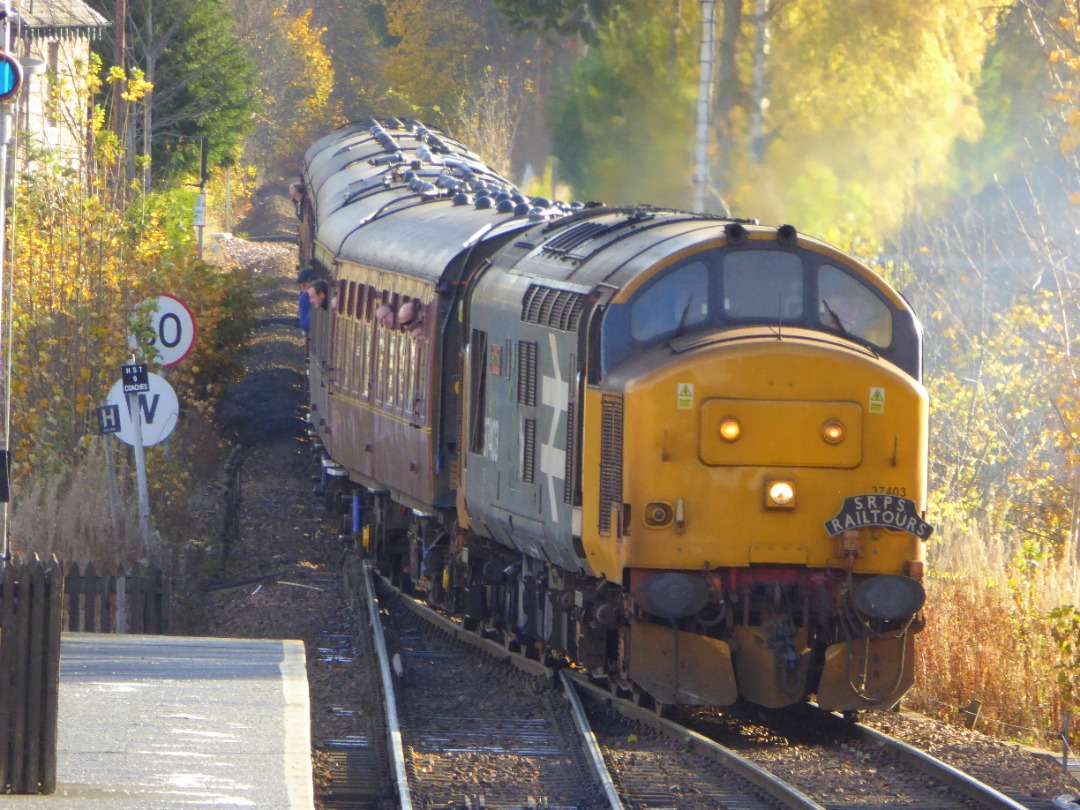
{"points": [[833, 431], [730, 429]]}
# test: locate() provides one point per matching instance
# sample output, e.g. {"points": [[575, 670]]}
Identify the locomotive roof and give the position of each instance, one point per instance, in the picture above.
{"points": [[401, 197], [622, 247]]}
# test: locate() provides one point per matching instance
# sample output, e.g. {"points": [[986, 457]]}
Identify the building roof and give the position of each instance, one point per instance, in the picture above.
{"points": [[59, 19]]}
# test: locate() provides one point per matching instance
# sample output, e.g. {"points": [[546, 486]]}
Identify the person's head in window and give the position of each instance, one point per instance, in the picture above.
{"points": [[385, 316], [305, 277], [318, 291], [410, 317], [407, 314]]}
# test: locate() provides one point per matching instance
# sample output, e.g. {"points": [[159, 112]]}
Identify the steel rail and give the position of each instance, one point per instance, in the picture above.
{"points": [[775, 787], [968, 786], [459, 633], [588, 740], [393, 728]]}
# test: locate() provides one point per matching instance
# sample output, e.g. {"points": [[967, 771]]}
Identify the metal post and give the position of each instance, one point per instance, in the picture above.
{"points": [[5, 346], [1065, 741], [704, 103], [135, 409], [114, 500], [200, 223], [228, 199], [203, 157], [757, 106]]}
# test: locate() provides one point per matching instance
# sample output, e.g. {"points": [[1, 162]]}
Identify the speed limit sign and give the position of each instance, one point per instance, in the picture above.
{"points": [[174, 330]]}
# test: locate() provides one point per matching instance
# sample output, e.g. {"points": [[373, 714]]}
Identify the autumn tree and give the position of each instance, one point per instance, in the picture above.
{"points": [[621, 123], [203, 80], [456, 65], [296, 83], [864, 105], [857, 105], [78, 269], [576, 17], [994, 279]]}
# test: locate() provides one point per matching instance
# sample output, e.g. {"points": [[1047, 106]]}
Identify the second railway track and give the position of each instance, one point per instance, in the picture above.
{"points": [[476, 732]]}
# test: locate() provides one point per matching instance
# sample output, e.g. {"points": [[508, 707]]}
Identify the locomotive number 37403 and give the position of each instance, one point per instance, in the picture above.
{"points": [[878, 490]]}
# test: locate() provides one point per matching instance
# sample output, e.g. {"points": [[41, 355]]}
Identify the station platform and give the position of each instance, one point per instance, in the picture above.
{"points": [[153, 722]]}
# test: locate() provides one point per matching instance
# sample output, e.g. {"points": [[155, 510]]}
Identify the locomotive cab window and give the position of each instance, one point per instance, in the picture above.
{"points": [[738, 287], [763, 285], [848, 306], [674, 302]]}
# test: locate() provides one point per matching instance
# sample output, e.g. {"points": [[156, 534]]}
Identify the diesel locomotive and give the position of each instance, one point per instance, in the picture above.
{"points": [[686, 453]]}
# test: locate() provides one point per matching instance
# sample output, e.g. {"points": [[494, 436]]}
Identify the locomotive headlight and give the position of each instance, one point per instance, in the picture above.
{"points": [[833, 431], [779, 494], [730, 429]]}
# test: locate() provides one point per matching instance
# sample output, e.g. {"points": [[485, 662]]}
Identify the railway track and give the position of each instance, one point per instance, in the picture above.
{"points": [[848, 766], [655, 762], [361, 762], [473, 725], [476, 730], [465, 733]]}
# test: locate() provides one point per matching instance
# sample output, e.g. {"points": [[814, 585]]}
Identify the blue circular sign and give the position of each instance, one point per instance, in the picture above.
{"points": [[11, 76]]}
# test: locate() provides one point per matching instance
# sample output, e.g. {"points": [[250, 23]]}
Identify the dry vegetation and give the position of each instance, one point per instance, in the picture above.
{"points": [[988, 637]]}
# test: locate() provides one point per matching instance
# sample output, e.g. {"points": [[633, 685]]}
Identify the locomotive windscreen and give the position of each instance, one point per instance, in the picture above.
{"points": [[729, 288]]}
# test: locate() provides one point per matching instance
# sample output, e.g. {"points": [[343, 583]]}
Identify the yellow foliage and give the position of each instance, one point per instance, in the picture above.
{"points": [[296, 87], [77, 271]]}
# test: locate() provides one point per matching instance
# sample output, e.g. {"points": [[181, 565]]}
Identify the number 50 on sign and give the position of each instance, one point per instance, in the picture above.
{"points": [[173, 328]]}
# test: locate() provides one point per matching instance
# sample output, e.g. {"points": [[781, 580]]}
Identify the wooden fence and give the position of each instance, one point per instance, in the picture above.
{"points": [[31, 597], [136, 602]]}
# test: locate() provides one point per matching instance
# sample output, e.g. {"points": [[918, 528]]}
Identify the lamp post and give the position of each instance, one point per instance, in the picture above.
{"points": [[10, 84]]}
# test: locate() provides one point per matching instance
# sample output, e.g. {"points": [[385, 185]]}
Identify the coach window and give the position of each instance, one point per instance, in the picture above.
{"points": [[407, 374], [675, 301], [343, 330], [370, 304], [763, 285], [359, 341], [384, 357], [848, 306]]}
